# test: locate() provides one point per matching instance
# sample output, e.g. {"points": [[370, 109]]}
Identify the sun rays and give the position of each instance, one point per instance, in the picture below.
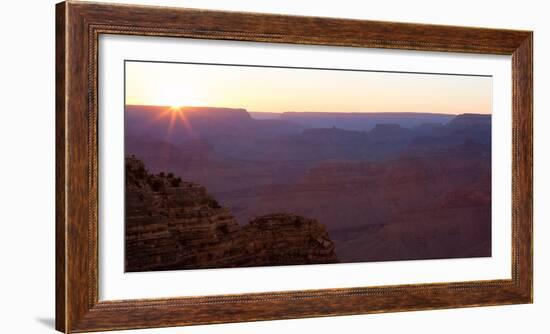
{"points": [[177, 116]]}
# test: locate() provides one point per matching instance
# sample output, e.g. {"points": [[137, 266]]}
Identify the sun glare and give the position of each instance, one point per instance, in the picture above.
{"points": [[176, 108], [176, 98]]}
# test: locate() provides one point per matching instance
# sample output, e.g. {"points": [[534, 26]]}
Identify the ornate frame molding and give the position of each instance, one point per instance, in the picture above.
{"points": [[78, 27]]}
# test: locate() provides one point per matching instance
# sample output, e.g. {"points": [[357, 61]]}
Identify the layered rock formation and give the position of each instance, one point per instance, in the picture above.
{"points": [[172, 224]]}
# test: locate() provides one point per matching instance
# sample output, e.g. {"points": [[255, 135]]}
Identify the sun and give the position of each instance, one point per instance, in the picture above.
{"points": [[176, 116], [176, 108], [177, 97], [178, 103]]}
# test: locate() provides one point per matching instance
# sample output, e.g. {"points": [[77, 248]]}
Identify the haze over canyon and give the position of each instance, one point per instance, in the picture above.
{"points": [[368, 186]]}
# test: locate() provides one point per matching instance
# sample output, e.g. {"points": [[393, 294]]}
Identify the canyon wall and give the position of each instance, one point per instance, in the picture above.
{"points": [[172, 224]]}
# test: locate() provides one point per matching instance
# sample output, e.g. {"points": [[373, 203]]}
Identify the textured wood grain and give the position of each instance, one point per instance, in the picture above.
{"points": [[60, 99], [522, 166], [77, 30]]}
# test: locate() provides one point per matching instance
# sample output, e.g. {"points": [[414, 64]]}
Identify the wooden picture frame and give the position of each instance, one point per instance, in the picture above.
{"points": [[78, 26]]}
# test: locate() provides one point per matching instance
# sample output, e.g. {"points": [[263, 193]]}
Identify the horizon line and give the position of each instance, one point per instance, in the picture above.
{"points": [[304, 112]]}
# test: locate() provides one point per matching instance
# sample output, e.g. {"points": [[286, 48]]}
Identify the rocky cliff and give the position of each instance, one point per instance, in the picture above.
{"points": [[173, 224]]}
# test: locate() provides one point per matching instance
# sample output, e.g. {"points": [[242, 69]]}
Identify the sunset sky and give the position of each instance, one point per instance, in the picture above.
{"points": [[289, 89]]}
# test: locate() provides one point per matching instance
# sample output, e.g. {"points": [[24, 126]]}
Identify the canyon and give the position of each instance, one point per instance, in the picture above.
{"points": [[397, 186]]}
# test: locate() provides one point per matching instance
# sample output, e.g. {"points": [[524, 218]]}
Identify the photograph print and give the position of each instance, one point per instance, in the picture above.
{"points": [[230, 165]]}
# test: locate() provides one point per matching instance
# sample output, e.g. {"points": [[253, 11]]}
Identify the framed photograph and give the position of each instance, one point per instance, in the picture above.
{"points": [[223, 166]]}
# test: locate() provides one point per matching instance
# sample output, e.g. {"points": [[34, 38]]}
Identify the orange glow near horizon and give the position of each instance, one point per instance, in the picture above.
{"points": [[176, 114], [262, 89]]}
